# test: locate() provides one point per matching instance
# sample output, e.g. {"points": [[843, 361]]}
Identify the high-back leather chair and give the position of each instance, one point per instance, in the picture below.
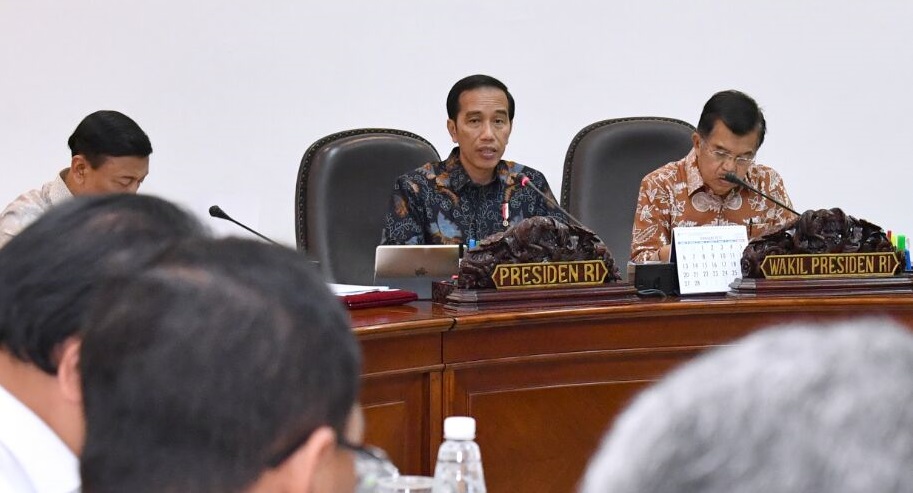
{"points": [[604, 166], [344, 185]]}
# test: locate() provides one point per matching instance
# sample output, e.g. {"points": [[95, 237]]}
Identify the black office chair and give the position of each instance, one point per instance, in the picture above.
{"points": [[604, 166], [344, 185]]}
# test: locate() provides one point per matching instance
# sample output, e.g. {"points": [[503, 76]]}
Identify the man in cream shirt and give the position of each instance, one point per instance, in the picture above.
{"points": [[110, 154]]}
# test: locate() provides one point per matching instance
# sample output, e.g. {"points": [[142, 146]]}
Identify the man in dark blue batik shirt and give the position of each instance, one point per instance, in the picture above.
{"points": [[473, 193]]}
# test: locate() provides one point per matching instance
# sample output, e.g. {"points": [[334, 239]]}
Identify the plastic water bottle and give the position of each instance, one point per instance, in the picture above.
{"points": [[459, 460]]}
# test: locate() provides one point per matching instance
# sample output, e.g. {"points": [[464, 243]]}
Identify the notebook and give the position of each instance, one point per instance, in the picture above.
{"points": [[415, 267]]}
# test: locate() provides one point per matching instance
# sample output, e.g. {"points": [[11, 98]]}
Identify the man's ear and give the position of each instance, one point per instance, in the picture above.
{"points": [[78, 168], [696, 140], [451, 128], [68, 377], [299, 472]]}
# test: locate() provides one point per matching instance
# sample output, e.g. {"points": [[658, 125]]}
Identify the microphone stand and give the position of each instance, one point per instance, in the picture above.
{"points": [[526, 182], [732, 178], [216, 211]]}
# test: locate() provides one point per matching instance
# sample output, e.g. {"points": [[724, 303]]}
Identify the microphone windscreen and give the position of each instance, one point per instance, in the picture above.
{"points": [[732, 178], [216, 211], [523, 179]]}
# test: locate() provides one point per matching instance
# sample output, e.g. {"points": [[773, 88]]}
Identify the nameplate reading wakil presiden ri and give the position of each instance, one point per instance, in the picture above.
{"points": [[873, 264]]}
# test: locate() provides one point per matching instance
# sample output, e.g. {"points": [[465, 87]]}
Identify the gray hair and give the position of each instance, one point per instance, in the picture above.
{"points": [[798, 408]]}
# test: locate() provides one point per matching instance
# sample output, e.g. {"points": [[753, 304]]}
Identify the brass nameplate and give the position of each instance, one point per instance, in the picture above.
{"points": [[810, 266], [549, 274]]}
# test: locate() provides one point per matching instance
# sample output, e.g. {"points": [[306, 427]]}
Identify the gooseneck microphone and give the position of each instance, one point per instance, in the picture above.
{"points": [[732, 178], [216, 211], [526, 182]]}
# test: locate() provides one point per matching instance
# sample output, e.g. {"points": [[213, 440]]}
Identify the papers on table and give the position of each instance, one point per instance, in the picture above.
{"points": [[353, 289]]}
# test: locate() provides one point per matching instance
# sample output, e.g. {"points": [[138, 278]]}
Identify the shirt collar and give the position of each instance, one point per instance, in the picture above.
{"points": [[458, 178], [693, 173], [695, 181], [46, 461], [59, 191]]}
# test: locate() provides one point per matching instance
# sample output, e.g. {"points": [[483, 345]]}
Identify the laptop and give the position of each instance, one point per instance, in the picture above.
{"points": [[415, 267]]}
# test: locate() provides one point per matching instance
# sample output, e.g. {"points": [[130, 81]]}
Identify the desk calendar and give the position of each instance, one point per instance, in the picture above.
{"points": [[708, 258]]}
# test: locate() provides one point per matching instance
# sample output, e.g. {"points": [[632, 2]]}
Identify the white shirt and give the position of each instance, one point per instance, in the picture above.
{"points": [[30, 206], [33, 459]]}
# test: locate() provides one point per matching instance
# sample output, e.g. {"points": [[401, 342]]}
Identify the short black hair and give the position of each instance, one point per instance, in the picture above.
{"points": [[209, 367], [108, 133], [48, 271], [737, 110], [470, 83]]}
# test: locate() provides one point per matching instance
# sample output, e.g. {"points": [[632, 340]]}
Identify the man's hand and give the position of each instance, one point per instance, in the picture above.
{"points": [[665, 252]]}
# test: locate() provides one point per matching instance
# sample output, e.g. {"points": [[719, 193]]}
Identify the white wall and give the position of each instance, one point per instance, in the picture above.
{"points": [[232, 92]]}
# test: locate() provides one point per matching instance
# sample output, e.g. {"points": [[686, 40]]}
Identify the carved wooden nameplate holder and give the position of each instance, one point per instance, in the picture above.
{"points": [[824, 287], [460, 300], [539, 262], [824, 252]]}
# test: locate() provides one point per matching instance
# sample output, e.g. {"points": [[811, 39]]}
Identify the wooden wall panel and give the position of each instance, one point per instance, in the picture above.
{"points": [[401, 391], [540, 419], [401, 410]]}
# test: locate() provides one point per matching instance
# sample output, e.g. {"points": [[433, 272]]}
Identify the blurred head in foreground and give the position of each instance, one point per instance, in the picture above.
{"points": [[225, 366], [47, 276], [794, 409]]}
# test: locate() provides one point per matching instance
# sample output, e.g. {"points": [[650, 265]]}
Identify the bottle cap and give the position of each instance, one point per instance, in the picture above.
{"points": [[459, 428]]}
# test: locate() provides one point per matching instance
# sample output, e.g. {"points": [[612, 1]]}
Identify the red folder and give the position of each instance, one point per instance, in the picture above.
{"points": [[379, 298]]}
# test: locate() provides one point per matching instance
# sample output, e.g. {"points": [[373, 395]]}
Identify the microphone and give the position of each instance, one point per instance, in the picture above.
{"points": [[216, 211], [526, 182], [732, 178]]}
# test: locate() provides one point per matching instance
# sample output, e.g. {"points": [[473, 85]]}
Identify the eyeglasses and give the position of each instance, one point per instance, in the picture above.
{"points": [[371, 464], [366, 453], [722, 156]]}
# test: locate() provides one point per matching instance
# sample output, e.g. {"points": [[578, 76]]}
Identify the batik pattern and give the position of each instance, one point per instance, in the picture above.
{"points": [[675, 195], [439, 204]]}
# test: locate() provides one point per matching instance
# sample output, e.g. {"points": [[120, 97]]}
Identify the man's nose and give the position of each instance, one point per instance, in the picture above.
{"points": [[729, 164], [487, 132]]}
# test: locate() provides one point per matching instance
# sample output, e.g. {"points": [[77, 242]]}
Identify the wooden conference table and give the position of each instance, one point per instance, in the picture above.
{"points": [[545, 384]]}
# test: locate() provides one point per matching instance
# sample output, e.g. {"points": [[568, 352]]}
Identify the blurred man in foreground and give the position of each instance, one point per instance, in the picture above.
{"points": [[226, 366], [47, 275], [790, 410]]}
